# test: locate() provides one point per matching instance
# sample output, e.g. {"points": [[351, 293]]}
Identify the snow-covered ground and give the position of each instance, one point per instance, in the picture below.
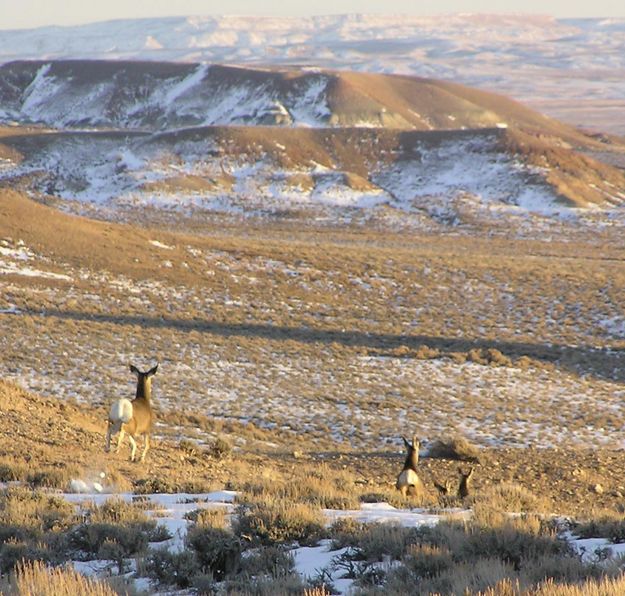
{"points": [[101, 171], [465, 178], [359, 398], [311, 562]]}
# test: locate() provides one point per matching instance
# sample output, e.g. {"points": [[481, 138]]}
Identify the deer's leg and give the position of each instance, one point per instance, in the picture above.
{"points": [[107, 448], [145, 447], [133, 445], [120, 439]]}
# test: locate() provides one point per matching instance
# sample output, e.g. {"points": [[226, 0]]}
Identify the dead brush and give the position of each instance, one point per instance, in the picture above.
{"points": [[497, 501], [32, 513], [457, 448], [605, 524], [605, 586], [276, 521], [316, 485], [214, 518], [34, 578]]}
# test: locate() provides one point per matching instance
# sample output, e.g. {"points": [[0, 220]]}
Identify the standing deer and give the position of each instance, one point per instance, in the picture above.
{"points": [[134, 417], [408, 476], [464, 488]]}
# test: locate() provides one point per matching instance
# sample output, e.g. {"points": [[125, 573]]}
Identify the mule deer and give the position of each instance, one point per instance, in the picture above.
{"points": [[444, 489], [134, 417], [408, 477], [464, 488]]}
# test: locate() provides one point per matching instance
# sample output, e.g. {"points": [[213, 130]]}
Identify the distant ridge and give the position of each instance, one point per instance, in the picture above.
{"points": [[161, 95], [543, 61]]}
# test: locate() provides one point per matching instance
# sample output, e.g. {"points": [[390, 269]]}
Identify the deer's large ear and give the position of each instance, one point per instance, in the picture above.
{"points": [[415, 442], [134, 369], [152, 371], [406, 443]]}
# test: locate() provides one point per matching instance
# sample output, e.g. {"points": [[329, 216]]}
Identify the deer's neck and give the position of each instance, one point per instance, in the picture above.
{"points": [[144, 391], [411, 461]]}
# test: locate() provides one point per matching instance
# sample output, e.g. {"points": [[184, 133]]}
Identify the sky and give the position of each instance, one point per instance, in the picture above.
{"points": [[21, 14]]}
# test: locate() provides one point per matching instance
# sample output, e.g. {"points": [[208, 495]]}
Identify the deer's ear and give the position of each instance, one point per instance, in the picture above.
{"points": [[134, 369], [406, 443], [152, 371]]}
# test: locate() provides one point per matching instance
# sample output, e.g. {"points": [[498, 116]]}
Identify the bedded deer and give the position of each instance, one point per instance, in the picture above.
{"points": [[444, 488], [133, 417], [408, 477]]}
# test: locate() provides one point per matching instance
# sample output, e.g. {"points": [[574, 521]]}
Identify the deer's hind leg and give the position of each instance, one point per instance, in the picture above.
{"points": [[133, 447], [146, 446], [120, 438]]}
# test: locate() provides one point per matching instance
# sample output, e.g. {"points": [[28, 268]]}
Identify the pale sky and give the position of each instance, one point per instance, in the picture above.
{"points": [[19, 14]]}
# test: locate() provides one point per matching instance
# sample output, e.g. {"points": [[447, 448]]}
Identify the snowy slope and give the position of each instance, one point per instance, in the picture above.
{"points": [[537, 59], [156, 95], [202, 172]]}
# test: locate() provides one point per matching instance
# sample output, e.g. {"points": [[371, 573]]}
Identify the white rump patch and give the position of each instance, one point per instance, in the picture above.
{"points": [[121, 411], [408, 478]]}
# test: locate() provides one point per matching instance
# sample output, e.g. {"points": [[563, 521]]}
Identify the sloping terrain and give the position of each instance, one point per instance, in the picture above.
{"points": [[160, 96], [328, 345], [551, 64], [341, 146], [56, 444], [423, 180], [344, 336]]}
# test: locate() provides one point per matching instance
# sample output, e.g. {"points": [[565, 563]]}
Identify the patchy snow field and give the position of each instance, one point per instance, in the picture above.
{"points": [[465, 182], [310, 562], [288, 376]]}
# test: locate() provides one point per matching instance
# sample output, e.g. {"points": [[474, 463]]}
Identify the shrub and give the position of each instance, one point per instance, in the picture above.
{"points": [[274, 561], [118, 522], [177, 569], [215, 518], [314, 485], [277, 521], [425, 560], [457, 448], [291, 584], [21, 506], [374, 542], [49, 478], [218, 551], [189, 447], [512, 498], [603, 527], [346, 532], [90, 538], [10, 472], [12, 552], [517, 540], [220, 449], [154, 485]]}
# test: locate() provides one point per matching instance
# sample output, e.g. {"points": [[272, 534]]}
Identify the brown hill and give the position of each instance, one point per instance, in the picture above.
{"points": [[127, 94]]}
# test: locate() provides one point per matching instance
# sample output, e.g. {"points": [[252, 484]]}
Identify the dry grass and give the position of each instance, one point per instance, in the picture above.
{"points": [[601, 587], [36, 579], [457, 448], [493, 506]]}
